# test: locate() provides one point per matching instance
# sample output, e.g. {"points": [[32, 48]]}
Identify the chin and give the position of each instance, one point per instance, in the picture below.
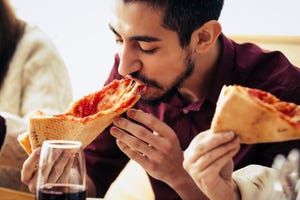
{"points": [[152, 95], [155, 96]]}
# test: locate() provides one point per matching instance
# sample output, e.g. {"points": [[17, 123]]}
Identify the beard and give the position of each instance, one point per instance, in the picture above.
{"points": [[189, 68]]}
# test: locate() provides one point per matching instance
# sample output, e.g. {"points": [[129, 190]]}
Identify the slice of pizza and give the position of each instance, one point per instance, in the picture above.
{"points": [[256, 116], [86, 118]]}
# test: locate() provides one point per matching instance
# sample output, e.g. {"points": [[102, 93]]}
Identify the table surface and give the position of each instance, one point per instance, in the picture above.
{"points": [[9, 194]]}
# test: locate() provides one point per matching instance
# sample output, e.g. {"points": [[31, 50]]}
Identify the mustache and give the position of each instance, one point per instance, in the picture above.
{"points": [[145, 80]]}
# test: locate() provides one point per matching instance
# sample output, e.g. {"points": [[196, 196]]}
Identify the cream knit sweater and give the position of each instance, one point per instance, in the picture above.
{"points": [[37, 79]]}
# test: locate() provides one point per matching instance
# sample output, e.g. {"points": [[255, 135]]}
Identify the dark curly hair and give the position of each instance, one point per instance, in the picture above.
{"points": [[185, 16]]}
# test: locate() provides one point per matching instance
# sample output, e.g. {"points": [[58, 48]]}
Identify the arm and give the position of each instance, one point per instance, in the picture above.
{"points": [[208, 160], [156, 149]]}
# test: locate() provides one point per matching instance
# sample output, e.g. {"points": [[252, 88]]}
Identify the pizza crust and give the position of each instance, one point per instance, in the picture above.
{"points": [[85, 119], [24, 141], [43, 128], [253, 120]]}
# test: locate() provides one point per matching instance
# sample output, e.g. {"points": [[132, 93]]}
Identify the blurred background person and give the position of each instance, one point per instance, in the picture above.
{"points": [[33, 77]]}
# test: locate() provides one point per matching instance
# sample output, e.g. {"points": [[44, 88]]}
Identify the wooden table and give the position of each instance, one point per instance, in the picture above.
{"points": [[9, 194]]}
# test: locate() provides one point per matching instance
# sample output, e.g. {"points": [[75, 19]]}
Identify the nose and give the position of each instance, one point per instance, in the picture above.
{"points": [[129, 61]]}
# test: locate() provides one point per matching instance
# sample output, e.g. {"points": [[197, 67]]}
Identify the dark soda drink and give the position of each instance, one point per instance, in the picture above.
{"points": [[62, 192]]}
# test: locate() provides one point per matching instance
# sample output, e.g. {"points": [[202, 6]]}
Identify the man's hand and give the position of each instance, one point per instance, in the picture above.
{"points": [[208, 160], [156, 148], [54, 172], [29, 170]]}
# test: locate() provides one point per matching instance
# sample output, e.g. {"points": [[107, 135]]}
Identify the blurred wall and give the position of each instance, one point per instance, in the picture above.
{"points": [[80, 32]]}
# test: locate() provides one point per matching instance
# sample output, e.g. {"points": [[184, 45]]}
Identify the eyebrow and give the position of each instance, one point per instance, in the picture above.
{"points": [[142, 38]]}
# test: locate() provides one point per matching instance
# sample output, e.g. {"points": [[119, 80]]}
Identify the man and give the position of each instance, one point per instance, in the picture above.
{"points": [[177, 49]]}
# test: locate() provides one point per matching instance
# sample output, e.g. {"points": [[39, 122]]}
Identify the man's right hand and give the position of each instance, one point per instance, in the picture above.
{"points": [[54, 170], [29, 170], [29, 173]]}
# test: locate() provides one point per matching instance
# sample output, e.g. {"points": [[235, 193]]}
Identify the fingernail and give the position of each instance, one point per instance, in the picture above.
{"points": [[113, 131], [117, 121], [130, 113]]}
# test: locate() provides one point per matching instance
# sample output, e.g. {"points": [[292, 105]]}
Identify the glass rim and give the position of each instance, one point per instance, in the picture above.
{"points": [[65, 144]]}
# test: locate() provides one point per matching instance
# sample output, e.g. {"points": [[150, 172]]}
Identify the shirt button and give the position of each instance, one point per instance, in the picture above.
{"points": [[185, 111]]}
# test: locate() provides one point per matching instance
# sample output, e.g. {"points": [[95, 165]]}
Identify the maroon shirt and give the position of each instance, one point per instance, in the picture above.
{"points": [[242, 64]]}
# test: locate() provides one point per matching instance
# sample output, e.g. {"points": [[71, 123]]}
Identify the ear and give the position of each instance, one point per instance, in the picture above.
{"points": [[205, 36]]}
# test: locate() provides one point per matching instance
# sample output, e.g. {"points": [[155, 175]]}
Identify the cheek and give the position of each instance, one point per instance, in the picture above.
{"points": [[164, 69]]}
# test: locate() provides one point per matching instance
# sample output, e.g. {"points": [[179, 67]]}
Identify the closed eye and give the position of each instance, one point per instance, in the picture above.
{"points": [[150, 51]]}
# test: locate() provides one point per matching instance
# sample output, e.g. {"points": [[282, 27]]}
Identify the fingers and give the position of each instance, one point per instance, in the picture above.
{"points": [[58, 170], [151, 122], [134, 129], [67, 169], [205, 142], [29, 170], [215, 166], [156, 133], [47, 167], [139, 147], [52, 172], [153, 141], [32, 183], [137, 156], [210, 152], [218, 157]]}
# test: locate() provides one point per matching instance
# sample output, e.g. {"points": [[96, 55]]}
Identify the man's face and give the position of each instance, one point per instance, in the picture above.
{"points": [[148, 52]]}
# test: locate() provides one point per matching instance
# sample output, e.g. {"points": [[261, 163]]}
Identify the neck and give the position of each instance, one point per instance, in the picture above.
{"points": [[196, 85]]}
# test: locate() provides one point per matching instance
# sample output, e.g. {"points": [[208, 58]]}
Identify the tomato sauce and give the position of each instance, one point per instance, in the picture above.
{"points": [[283, 107], [100, 101]]}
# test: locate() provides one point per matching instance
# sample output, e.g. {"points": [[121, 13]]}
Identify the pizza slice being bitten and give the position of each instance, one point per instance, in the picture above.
{"points": [[86, 118], [256, 116]]}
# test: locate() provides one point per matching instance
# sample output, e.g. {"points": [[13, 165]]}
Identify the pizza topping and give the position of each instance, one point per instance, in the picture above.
{"points": [[116, 95], [263, 96], [286, 108]]}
